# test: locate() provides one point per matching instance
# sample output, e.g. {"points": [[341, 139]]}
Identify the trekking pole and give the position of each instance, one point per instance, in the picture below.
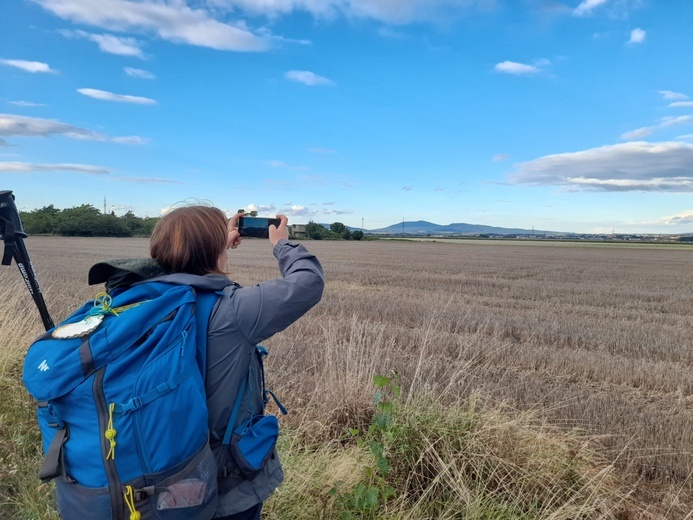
{"points": [[13, 235]]}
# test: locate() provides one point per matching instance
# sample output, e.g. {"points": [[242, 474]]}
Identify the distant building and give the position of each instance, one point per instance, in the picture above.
{"points": [[297, 230]]}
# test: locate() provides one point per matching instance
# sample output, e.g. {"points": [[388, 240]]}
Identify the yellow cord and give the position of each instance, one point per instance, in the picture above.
{"points": [[102, 305], [110, 432], [130, 501]]}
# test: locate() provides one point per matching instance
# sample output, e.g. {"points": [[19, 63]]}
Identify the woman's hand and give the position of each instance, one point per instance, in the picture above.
{"points": [[233, 238], [278, 233]]}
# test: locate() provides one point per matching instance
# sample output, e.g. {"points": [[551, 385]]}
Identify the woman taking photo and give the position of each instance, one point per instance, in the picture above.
{"points": [[189, 246]]}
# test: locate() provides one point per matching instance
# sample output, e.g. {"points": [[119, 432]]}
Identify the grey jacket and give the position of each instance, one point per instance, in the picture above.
{"points": [[242, 318]]}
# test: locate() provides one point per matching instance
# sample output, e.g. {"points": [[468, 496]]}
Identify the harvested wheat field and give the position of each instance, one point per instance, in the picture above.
{"points": [[581, 338]]}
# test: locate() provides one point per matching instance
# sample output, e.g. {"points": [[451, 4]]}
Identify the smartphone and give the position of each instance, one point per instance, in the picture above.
{"points": [[257, 227]]}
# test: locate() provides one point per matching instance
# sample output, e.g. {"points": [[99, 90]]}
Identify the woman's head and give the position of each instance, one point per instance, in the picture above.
{"points": [[190, 240]]}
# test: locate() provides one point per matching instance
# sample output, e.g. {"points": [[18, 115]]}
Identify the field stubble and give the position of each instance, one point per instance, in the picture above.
{"points": [[591, 338]]}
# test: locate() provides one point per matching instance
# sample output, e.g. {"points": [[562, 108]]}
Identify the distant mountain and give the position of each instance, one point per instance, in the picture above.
{"points": [[421, 227]]}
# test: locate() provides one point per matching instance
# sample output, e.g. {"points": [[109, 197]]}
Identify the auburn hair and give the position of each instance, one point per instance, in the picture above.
{"points": [[190, 240]]}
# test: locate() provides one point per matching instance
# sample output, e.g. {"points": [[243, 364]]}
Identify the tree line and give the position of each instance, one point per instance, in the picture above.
{"points": [[337, 231], [88, 221], [85, 221]]}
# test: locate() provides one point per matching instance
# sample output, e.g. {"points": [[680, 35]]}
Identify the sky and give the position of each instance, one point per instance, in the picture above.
{"points": [[560, 115]]}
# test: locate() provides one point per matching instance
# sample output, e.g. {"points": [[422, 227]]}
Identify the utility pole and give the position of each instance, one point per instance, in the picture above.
{"points": [[361, 224], [104, 204]]}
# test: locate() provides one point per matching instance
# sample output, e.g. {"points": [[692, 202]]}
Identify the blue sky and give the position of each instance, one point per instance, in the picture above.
{"points": [[560, 115]]}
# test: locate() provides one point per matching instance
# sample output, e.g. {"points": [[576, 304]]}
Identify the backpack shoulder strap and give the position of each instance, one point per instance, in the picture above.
{"points": [[204, 304]]}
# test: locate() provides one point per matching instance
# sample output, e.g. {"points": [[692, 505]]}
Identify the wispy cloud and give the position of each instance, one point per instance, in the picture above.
{"points": [[682, 217], [12, 125], [393, 12], [407, 188], [24, 167], [296, 210], [139, 73], [686, 137], [665, 122], [282, 164], [321, 150], [611, 8], [586, 7], [261, 208], [122, 46], [104, 95], [171, 21], [637, 36], [500, 157], [513, 67], [307, 78], [29, 66], [26, 104], [147, 180], [681, 104], [636, 166], [337, 211], [670, 95]]}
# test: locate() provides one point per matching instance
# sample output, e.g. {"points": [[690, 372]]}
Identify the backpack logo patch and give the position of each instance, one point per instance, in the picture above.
{"points": [[43, 366]]}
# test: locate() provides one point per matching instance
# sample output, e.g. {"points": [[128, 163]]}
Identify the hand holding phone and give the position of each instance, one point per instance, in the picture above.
{"points": [[277, 233], [256, 227]]}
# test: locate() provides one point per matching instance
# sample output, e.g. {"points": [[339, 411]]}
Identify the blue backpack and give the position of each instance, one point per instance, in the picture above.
{"points": [[122, 406]]}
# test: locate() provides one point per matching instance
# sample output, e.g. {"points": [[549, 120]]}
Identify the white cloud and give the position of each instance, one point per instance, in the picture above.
{"points": [[139, 73], [29, 66], [682, 104], [23, 167], [611, 8], [133, 139], [109, 43], [675, 121], [682, 217], [512, 67], [638, 133], [22, 126], [337, 211], [260, 208], [307, 78], [321, 150], [500, 157], [26, 104], [389, 11], [668, 94], [586, 6], [278, 164], [687, 137], [637, 36], [295, 211], [665, 122], [147, 180], [636, 166], [407, 188], [173, 21], [103, 95]]}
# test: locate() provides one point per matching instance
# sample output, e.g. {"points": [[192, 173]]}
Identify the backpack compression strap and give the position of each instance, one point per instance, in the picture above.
{"points": [[261, 352]]}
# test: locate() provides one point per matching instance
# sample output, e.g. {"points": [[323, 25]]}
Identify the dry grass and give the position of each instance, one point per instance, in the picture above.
{"points": [[590, 338]]}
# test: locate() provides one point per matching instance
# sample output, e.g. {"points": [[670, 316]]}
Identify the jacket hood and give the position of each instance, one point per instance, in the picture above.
{"points": [[128, 271]]}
